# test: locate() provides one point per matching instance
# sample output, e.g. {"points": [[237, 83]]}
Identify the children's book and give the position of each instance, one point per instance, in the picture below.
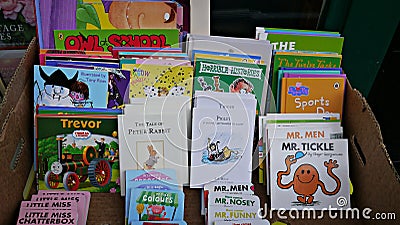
{"points": [[222, 141], [309, 173], [58, 86], [63, 206], [182, 222], [156, 80], [174, 49], [311, 41], [232, 207], [300, 60], [106, 40], [17, 24], [36, 216], [235, 77], [243, 222], [79, 152], [104, 15], [154, 135], [157, 179], [312, 95], [226, 56], [156, 205]]}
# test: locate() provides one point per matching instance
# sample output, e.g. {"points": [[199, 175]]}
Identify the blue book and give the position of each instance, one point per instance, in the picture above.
{"points": [[157, 179], [156, 205]]}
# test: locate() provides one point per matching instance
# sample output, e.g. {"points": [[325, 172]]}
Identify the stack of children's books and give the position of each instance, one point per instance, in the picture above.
{"points": [[153, 196], [55, 207]]}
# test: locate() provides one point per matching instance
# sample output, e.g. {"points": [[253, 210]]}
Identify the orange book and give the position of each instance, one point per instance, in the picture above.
{"points": [[312, 95]]}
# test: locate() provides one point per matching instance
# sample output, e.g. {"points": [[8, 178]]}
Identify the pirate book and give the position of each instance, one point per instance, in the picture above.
{"points": [[77, 152], [309, 173]]}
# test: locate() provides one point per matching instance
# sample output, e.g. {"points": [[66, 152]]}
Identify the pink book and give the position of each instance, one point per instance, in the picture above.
{"points": [[36, 216]]}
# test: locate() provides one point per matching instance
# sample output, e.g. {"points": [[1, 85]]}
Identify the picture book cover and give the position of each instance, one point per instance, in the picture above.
{"points": [[222, 145], [156, 80], [58, 86], [154, 141], [294, 70], [243, 222], [312, 95], [228, 76], [79, 152], [300, 60], [156, 205], [105, 40], [157, 179], [310, 173], [17, 24], [105, 15]]}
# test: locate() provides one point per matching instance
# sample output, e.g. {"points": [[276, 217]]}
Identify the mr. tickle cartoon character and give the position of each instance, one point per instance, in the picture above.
{"points": [[306, 179], [56, 88]]}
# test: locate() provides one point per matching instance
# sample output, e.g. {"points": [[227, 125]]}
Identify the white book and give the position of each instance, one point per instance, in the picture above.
{"points": [[155, 136], [221, 147], [309, 173]]}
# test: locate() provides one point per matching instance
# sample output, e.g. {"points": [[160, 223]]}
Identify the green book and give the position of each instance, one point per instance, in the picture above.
{"points": [[105, 40], [300, 60], [230, 76], [303, 41]]}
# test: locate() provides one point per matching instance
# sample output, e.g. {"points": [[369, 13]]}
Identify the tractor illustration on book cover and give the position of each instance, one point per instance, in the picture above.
{"points": [[72, 169]]}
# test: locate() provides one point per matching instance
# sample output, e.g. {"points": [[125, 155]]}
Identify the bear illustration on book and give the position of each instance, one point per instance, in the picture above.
{"points": [[306, 179]]}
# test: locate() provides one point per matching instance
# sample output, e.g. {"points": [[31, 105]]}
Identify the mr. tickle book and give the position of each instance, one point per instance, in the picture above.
{"points": [[309, 173], [79, 152]]}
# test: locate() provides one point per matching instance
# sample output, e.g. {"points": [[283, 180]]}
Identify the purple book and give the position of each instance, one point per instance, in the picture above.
{"points": [[313, 75]]}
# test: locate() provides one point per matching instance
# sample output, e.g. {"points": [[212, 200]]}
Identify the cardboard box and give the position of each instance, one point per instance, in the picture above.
{"points": [[374, 178]]}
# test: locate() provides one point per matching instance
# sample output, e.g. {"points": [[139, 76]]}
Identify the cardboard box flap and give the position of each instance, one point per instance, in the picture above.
{"points": [[16, 136], [375, 180]]}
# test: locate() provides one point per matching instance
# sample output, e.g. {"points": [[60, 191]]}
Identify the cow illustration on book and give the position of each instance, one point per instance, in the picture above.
{"points": [[306, 179], [56, 90]]}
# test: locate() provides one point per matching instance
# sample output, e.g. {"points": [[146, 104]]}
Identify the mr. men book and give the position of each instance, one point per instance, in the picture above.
{"points": [[309, 173], [57, 86], [79, 152], [312, 94], [156, 205]]}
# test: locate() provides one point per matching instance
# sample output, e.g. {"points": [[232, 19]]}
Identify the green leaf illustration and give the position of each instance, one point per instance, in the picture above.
{"points": [[87, 14]]}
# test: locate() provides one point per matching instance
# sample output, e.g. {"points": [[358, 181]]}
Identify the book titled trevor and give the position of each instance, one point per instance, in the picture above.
{"points": [[309, 173]]}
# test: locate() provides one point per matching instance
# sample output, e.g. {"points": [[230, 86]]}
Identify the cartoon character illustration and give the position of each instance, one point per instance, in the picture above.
{"points": [[114, 96], [203, 84], [56, 88], [79, 94], [218, 154], [306, 179], [241, 85], [155, 211], [212, 148], [216, 84], [153, 158], [102, 147], [140, 15]]}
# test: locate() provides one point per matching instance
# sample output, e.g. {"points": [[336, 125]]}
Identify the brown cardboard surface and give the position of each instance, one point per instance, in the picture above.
{"points": [[376, 184]]}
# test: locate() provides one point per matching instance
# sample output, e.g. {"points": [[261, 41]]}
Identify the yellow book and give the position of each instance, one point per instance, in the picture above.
{"points": [[312, 94], [149, 80]]}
